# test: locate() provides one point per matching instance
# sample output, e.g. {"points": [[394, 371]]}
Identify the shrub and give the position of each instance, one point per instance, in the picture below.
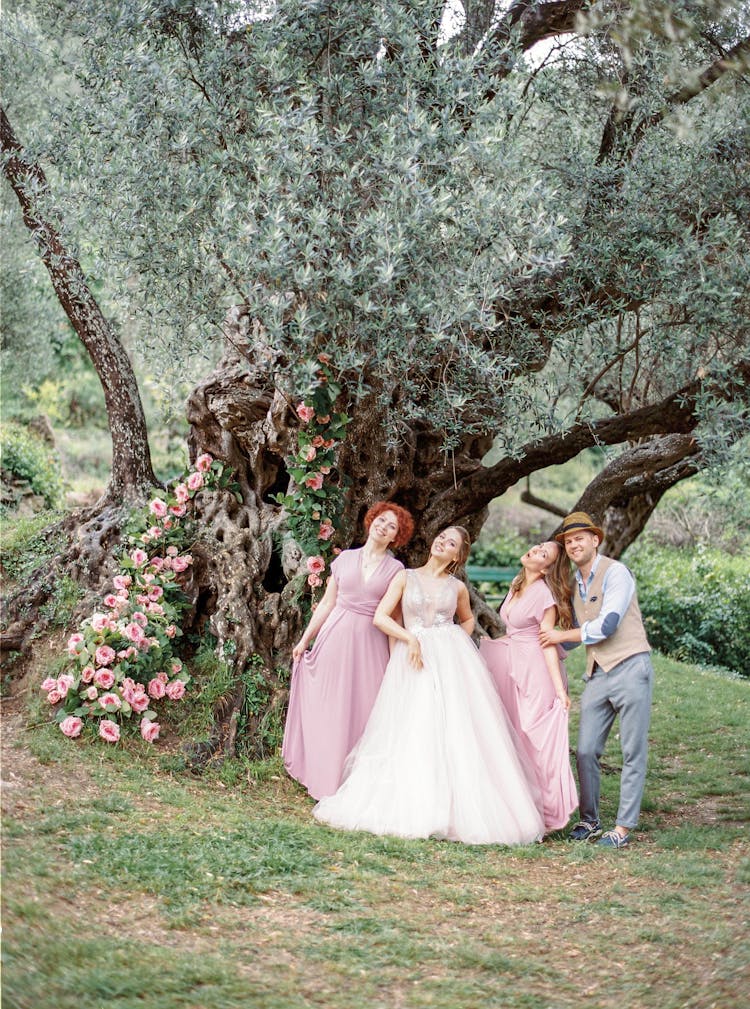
{"points": [[695, 603], [26, 457]]}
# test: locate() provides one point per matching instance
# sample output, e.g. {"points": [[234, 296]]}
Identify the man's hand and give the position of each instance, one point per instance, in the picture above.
{"points": [[550, 637]]}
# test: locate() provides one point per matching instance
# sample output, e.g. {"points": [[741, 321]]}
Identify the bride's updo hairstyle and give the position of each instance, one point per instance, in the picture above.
{"points": [[403, 517], [463, 555]]}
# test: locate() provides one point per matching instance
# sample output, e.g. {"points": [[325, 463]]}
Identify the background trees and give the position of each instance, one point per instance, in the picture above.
{"points": [[492, 247]]}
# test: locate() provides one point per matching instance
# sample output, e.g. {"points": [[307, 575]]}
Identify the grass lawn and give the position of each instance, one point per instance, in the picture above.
{"points": [[127, 886]]}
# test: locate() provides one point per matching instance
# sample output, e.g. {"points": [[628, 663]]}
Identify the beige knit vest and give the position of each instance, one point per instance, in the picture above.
{"points": [[630, 636]]}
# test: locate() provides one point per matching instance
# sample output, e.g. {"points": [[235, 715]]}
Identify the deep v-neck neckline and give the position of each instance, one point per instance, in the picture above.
{"points": [[366, 581]]}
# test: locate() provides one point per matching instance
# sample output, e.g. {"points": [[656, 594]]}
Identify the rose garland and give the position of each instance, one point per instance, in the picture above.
{"points": [[314, 507], [122, 659]]}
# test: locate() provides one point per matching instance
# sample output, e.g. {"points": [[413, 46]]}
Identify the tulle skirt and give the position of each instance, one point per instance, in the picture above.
{"points": [[438, 757]]}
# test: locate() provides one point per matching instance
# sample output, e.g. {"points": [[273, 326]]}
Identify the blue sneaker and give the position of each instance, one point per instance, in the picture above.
{"points": [[584, 831], [613, 839]]}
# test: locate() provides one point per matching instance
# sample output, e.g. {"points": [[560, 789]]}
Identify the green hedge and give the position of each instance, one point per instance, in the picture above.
{"points": [[695, 603], [27, 457]]}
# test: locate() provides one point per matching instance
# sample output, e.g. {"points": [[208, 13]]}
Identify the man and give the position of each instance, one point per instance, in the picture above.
{"points": [[619, 678]]}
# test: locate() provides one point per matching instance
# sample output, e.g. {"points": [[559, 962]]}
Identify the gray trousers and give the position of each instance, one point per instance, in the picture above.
{"points": [[625, 691]]}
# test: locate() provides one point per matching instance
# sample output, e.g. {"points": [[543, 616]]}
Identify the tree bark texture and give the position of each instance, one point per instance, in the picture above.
{"points": [[132, 474]]}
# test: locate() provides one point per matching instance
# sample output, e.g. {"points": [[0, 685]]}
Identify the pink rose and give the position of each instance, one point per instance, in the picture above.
{"points": [[172, 551], [203, 462], [134, 633], [171, 631], [156, 689], [156, 609], [154, 532], [146, 538], [104, 678], [182, 563], [91, 693], [110, 701], [155, 592], [99, 621], [315, 565], [138, 557], [325, 470], [314, 482], [104, 655], [175, 690], [167, 523], [71, 726], [314, 581], [195, 481], [157, 563], [326, 531], [111, 601], [109, 730], [54, 696], [122, 582], [49, 684], [162, 676], [148, 577], [87, 674], [305, 413], [158, 508], [75, 644], [142, 600], [64, 684], [329, 442], [318, 441], [309, 453], [181, 493], [140, 618], [139, 701], [149, 730], [178, 510], [176, 666]]}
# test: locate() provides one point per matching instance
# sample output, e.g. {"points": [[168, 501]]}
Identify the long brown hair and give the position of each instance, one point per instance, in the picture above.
{"points": [[558, 579], [464, 552]]}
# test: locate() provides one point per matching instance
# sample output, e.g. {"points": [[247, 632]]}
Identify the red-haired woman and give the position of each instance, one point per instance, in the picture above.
{"points": [[334, 684]]}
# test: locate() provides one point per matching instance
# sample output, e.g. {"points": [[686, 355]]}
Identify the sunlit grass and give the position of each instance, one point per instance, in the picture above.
{"points": [[128, 885]]}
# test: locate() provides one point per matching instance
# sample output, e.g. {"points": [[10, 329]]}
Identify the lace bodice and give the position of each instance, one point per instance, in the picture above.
{"points": [[428, 602]]}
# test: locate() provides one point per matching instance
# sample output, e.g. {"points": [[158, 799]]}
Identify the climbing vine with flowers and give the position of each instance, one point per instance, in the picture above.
{"points": [[315, 504], [123, 661]]}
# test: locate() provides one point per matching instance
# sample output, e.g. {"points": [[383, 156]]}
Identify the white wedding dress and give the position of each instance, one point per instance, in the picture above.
{"points": [[438, 757]]}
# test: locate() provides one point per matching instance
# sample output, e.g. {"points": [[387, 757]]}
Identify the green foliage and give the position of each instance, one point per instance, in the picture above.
{"points": [[27, 542], [695, 603], [504, 550], [437, 225], [259, 713], [26, 457]]}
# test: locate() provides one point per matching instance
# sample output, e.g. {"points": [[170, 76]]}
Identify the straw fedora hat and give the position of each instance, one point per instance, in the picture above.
{"points": [[578, 522]]}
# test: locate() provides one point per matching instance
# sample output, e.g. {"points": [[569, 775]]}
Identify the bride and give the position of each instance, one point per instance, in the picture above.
{"points": [[438, 757]]}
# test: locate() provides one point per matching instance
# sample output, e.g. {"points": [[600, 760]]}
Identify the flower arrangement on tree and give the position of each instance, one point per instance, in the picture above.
{"points": [[123, 660], [314, 507]]}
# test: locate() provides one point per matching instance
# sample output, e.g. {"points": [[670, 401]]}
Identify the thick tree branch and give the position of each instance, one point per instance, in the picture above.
{"points": [[674, 414], [132, 473], [620, 125], [525, 23], [624, 495]]}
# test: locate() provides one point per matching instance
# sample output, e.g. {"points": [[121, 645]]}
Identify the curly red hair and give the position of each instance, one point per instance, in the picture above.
{"points": [[403, 517]]}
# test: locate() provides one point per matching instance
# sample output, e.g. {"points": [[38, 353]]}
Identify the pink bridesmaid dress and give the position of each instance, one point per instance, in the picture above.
{"points": [[334, 684], [517, 664]]}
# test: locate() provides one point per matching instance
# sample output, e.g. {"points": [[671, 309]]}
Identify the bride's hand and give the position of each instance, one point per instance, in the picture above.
{"points": [[299, 650], [415, 653]]}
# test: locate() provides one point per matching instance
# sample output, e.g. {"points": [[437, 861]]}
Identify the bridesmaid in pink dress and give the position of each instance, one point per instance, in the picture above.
{"points": [[334, 685], [531, 680]]}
